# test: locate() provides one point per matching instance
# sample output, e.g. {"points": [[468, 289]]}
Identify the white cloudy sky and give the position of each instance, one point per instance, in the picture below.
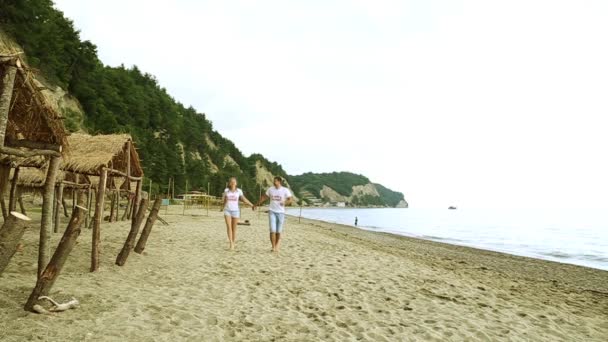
{"points": [[476, 103]]}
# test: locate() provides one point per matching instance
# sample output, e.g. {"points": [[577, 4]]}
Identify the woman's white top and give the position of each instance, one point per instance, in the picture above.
{"points": [[232, 198]]}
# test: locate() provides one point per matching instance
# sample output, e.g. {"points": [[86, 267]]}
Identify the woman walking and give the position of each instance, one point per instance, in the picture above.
{"points": [[232, 212]]}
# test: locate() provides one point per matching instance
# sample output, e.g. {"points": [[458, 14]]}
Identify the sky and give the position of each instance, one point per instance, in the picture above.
{"points": [[473, 103]]}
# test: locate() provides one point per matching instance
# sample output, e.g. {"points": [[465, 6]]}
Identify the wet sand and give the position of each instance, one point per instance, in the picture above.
{"points": [[330, 282]]}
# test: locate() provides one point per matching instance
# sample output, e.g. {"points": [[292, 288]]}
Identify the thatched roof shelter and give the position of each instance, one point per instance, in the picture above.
{"points": [[34, 178], [33, 115], [89, 153]]}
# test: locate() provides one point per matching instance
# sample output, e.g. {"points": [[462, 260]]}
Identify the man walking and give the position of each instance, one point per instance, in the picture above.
{"points": [[279, 197]]}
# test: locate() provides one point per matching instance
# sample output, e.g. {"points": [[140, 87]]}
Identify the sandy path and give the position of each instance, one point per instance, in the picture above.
{"points": [[329, 283]]}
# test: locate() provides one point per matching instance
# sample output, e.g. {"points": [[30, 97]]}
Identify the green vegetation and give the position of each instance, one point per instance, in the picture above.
{"points": [[172, 140], [342, 183], [120, 99], [388, 196]]}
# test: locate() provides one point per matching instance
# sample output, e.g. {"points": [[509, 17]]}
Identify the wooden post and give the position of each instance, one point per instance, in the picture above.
{"points": [[5, 172], [121, 259], [150, 190], [143, 239], [208, 198], [97, 219], [12, 202], [169, 188], [117, 191], [10, 234], [47, 215], [53, 269], [300, 217], [185, 195], [172, 188], [136, 200], [112, 206], [128, 157], [89, 202], [20, 201], [58, 201], [74, 194], [81, 200], [127, 208], [64, 205], [8, 81]]}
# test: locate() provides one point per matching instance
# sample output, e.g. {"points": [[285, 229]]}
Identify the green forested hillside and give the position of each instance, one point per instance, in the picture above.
{"points": [[173, 140], [119, 99], [342, 183]]}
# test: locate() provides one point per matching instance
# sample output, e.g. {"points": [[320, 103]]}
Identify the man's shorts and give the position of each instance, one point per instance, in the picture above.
{"points": [[232, 213], [276, 221]]}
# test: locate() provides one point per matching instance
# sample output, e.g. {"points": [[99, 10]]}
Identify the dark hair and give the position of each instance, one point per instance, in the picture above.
{"points": [[278, 178]]}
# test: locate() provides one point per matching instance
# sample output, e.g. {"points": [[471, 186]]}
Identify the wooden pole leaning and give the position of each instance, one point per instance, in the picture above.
{"points": [[53, 269], [143, 239], [138, 218]]}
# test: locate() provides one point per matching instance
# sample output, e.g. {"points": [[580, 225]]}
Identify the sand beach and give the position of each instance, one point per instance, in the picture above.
{"points": [[329, 283]]}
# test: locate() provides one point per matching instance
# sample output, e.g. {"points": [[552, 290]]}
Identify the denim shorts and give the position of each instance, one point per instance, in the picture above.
{"points": [[232, 213], [276, 221]]}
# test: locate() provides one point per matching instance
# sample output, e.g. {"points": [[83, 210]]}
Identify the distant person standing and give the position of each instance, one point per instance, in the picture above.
{"points": [[356, 221], [279, 197], [232, 196]]}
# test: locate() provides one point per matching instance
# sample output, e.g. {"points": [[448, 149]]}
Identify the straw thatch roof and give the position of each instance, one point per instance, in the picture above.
{"points": [[34, 114], [90, 153], [34, 178]]}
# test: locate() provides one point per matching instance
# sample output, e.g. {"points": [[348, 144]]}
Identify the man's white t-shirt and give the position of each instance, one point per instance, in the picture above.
{"points": [[232, 199], [278, 197]]}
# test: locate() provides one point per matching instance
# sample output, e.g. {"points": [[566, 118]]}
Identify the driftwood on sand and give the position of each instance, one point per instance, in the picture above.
{"points": [[57, 307]]}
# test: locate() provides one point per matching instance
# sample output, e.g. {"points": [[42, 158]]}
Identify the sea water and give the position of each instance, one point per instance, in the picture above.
{"points": [[577, 237]]}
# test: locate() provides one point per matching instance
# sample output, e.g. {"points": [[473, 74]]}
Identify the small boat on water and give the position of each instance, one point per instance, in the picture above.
{"points": [[452, 207]]}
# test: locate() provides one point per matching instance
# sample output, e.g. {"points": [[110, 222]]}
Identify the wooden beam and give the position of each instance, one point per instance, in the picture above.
{"points": [[6, 95], [120, 173], [28, 153], [143, 239], [34, 145], [47, 213], [97, 219], [11, 233], [121, 259], [75, 185], [53, 269]]}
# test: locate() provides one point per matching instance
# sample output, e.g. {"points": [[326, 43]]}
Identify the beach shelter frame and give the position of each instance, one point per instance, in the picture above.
{"points": [[31, 128], [105, 159]]}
